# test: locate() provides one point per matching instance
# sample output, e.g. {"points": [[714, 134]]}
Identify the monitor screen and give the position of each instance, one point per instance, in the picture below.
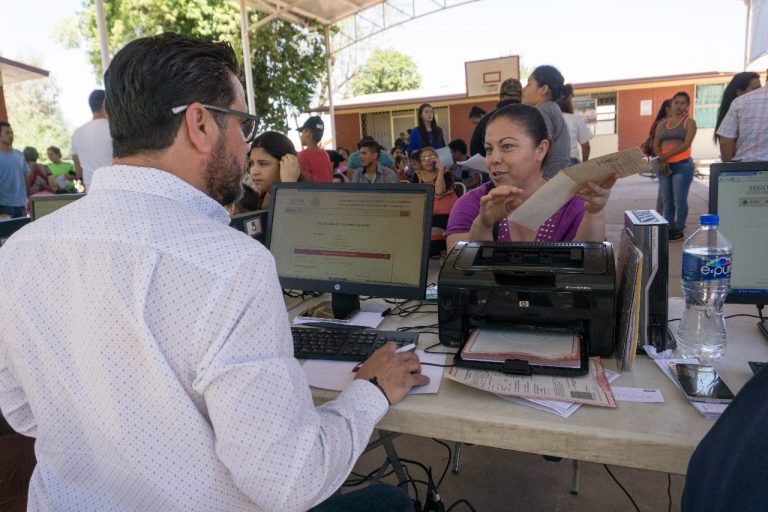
{"points": [[738, 193], [352, 239], [40, 206]]}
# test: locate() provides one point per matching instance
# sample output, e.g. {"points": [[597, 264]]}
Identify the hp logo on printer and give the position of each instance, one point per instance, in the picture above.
{"points": [[337, 287], [524, 303]]}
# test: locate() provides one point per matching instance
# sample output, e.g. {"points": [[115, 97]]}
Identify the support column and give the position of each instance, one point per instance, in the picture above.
{"points": [[248, 69], [329, 68], [101, 23]]}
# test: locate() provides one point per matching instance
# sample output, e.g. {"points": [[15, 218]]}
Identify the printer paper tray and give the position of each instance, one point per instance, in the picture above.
{"points": [[522, 367]]}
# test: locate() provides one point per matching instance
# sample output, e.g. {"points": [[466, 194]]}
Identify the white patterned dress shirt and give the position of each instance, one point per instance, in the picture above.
{"points": [[146, 345]]}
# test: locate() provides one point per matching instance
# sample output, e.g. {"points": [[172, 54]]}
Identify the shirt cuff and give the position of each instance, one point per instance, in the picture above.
{"points": [[365, 398]]}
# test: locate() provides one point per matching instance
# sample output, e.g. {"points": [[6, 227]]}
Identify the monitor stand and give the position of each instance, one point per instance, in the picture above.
{"points": [[342, 308]]}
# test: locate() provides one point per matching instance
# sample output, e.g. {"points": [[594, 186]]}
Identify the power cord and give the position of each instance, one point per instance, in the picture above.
{"points": [[622, 487], [669, 492]]}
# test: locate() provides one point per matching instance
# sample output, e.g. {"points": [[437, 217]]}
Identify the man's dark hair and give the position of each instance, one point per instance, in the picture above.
{"points": [[366, 138], [152, 75], [3, 124], [372, 146], [458, 145], [96, 100]]}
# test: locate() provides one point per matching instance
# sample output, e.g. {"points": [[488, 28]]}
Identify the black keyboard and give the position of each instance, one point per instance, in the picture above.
{"points": [[344, 344]]}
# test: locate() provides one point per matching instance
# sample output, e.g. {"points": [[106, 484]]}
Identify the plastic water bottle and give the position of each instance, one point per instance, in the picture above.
{"points": [[706, 276]]}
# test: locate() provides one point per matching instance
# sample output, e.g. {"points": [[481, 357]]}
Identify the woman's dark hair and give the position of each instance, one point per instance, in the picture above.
{"points": [[335, 157], [739, 82], [663, 109], [552, 78], [526, 116], [437, 132], [682, 94], [275, 144], [564, 101], [152, 75], [476, 111], [342, 148]]}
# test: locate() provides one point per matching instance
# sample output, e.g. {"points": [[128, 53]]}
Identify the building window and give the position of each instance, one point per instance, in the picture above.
{"points": [[387, 126], [708, 99], [606, 113]]}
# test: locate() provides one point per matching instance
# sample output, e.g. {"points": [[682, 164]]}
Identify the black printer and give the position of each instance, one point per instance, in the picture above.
{"points": [[498, 284]]}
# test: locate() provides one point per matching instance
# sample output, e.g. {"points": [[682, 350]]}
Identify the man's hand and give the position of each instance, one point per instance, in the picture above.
{"points": [[395, 373]]}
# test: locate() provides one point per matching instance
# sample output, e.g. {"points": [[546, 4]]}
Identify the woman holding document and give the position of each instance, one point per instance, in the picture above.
{"points": [[516, 144]]}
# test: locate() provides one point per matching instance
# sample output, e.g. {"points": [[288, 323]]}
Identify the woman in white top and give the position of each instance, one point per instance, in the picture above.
{"points": [[577, 129]]}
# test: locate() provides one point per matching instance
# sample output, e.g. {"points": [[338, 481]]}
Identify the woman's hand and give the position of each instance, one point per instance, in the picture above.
{"points": [[498, 203], [596, 195], [664, 168], [289, 169]]}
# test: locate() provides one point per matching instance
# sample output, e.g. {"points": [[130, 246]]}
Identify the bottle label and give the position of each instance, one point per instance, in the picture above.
{"points": [[705, 268]]}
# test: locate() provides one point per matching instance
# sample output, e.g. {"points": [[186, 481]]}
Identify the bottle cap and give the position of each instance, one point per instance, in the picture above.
{"points": [[709, 220]]}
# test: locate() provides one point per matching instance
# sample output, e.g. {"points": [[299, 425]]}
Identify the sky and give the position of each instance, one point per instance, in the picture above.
{"points": [[590, 40]]}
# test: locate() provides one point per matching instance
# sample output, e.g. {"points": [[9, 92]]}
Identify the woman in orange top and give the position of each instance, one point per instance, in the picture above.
{"points": [[433, 172], [672, 144]]}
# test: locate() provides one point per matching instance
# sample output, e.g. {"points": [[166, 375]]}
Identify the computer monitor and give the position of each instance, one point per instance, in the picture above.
{"points": [[738, 193], [10, 226], [351, 239], [40, 206]]}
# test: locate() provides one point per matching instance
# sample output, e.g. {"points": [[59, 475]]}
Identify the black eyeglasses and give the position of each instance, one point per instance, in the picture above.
{"points": [[249, 125]]}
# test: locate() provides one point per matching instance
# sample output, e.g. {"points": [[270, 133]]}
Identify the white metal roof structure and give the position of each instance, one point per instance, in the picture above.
{"points": [[354, 21]]}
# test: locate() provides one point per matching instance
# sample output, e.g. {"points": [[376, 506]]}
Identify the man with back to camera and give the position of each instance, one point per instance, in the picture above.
{"points": [[743, 134], [372, 171], [13, 171], [510, 92], [173, 385], [313, 160], [91, 143]]}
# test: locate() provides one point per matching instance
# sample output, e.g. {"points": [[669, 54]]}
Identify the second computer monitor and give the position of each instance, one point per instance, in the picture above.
{"points": [[351, 239]]}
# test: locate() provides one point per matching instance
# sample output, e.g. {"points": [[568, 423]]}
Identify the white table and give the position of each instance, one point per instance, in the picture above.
{"points": [[658, 437]]}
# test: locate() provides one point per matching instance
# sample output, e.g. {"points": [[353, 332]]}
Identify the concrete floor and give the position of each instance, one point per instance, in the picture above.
{"points": [[502, 480]]}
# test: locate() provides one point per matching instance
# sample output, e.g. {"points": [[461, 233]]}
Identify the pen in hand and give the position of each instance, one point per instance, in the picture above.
{"points": [[404, 348]]}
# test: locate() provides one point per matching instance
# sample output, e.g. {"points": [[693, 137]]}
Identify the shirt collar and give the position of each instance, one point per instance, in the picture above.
{"points": [[147, 180]]}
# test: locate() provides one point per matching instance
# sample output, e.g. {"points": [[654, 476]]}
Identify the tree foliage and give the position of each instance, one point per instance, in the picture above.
{"points": [[35, 115], [288, 61], [386, 71]]}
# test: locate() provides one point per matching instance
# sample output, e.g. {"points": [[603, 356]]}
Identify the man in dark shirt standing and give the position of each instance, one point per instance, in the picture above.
{"points": [[511, 91]]}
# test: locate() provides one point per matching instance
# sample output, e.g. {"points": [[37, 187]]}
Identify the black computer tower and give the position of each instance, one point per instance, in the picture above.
{"points": [[649, 231]]}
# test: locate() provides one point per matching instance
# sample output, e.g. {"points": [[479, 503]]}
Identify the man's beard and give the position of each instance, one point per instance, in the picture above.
{"points": [[224, 179]]}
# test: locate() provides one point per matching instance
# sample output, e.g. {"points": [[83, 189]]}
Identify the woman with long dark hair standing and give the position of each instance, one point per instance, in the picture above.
{"points": [[427, 134], [672, 144], [741, 83], [664, 112], [544, 88]]}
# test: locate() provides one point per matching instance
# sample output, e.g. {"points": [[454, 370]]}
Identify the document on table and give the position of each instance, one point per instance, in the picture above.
{"points": [[542, 347], [563, 409], [592, 388], [564, 185], [337, 375], [629, 272], [637, 395]]}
